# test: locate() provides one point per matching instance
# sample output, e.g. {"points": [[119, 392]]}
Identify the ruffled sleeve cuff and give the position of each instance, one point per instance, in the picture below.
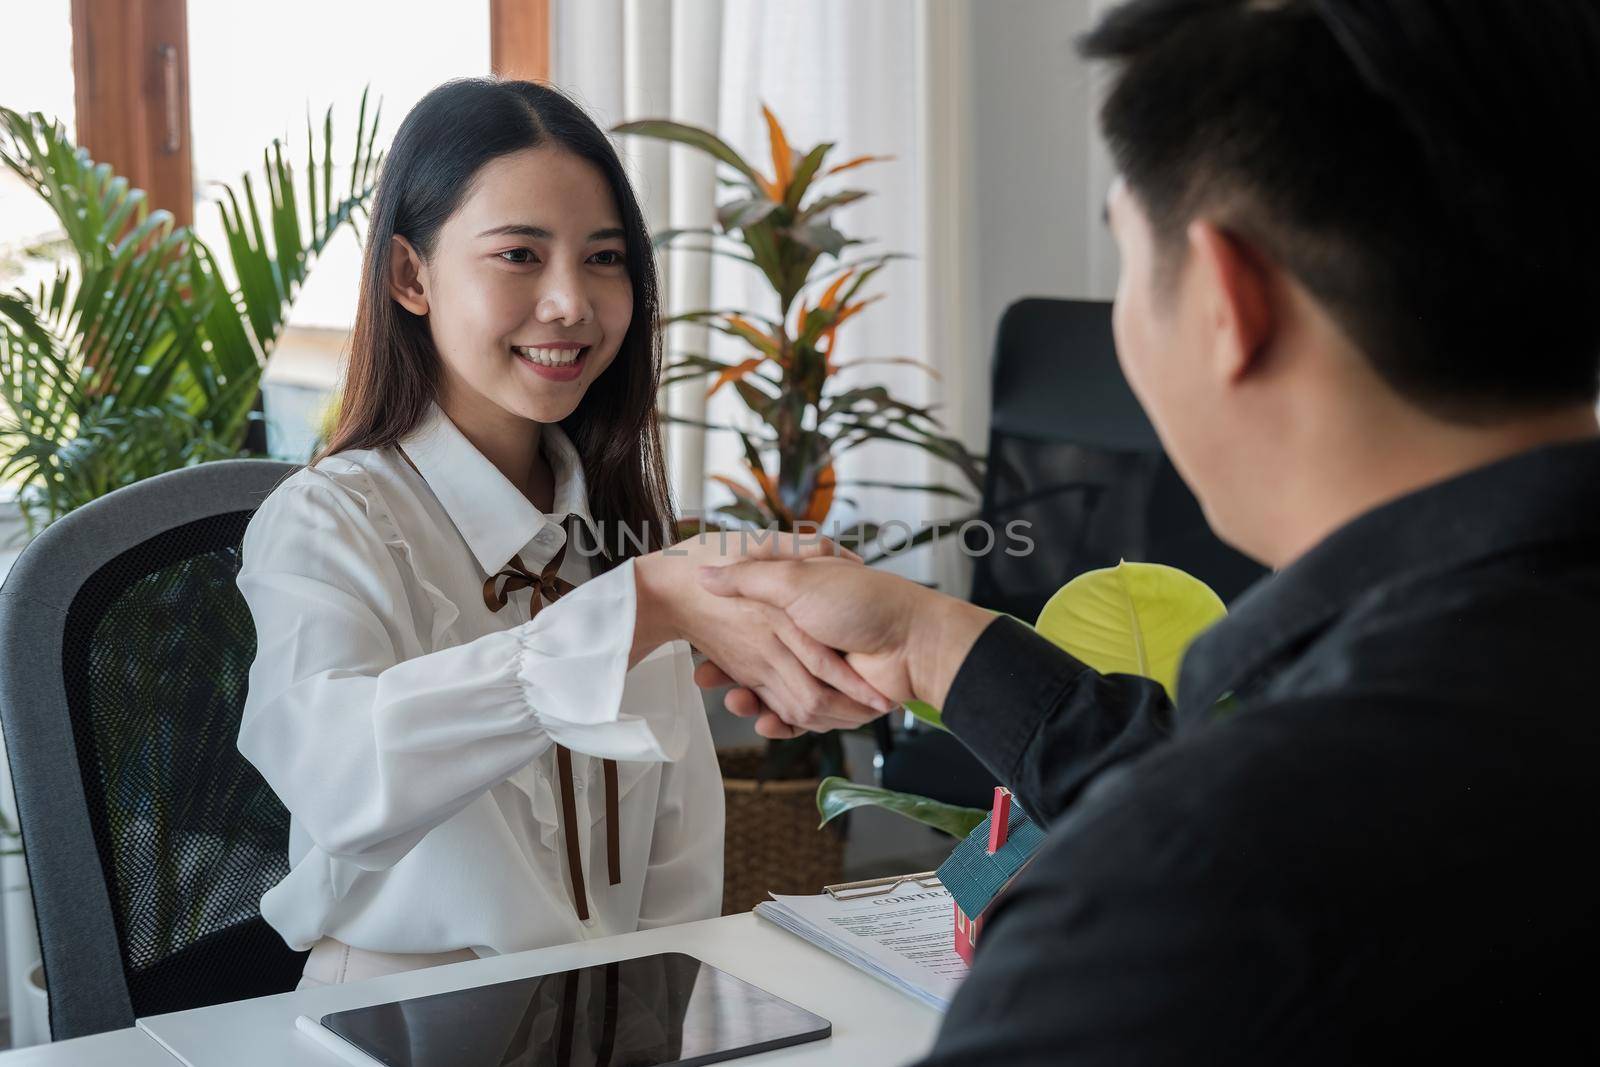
{"points": [[573, 671]]}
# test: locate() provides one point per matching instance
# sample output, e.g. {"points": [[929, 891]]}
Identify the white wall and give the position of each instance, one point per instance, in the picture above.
{"points": [[1039, 196], [1016, 179], [1018, 173]]}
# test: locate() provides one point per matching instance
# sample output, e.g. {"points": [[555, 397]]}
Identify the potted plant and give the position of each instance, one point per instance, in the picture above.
{"points": [[812, 409], [138, 356]]}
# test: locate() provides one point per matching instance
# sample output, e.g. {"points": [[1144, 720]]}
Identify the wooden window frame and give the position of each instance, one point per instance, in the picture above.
{"points": [[130, 65], [130, 61], [519, 39]]}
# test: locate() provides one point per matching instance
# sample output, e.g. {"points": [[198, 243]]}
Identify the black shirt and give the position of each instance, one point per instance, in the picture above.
{"points": [[1364, 833]]}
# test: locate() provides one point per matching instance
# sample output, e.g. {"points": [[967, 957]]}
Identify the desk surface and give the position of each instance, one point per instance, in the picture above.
{"points": [[872, 1023], [124, 1048]]}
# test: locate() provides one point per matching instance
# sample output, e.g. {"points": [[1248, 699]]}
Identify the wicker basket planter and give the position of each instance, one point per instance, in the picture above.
{"points": [[773, 843]]}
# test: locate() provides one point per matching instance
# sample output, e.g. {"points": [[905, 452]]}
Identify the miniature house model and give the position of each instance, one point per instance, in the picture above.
{"points": [[985, 863]]}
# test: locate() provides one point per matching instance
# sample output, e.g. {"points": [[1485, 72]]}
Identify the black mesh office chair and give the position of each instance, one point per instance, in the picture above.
{"points": [[125, 648], [1071, 454]]}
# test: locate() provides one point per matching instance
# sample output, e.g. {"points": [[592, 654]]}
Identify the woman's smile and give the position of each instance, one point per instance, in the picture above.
{"points": [[559, 361]]}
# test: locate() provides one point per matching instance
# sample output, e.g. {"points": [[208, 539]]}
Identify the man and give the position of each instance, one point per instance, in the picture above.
{"points": [[1360, 271]]}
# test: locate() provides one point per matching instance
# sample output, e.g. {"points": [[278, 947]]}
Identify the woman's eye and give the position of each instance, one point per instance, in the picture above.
{"points": [[517, 255], [609, 258]]}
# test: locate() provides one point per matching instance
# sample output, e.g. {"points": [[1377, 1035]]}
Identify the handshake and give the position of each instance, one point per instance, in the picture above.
{"points": [[810, 638]]}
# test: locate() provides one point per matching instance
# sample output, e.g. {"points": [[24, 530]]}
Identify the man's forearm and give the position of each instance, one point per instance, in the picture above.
{"points": [[1045, 722]]}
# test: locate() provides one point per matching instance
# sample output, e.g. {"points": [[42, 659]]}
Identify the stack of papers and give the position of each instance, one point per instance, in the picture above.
{"points": [[905, 937]]}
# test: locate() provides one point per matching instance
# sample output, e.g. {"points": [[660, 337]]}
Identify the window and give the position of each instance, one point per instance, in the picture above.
{"points": [[255, 70], [177, 95], [36, 76]]}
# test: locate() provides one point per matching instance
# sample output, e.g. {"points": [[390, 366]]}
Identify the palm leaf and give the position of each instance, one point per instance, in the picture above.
{"points": [[92, 204], [137, 356], [270, 273]]}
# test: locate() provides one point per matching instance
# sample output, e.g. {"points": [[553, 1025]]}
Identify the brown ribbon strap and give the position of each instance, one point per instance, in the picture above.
{"points": [[569, 831], [613, 832], [547, 588]]}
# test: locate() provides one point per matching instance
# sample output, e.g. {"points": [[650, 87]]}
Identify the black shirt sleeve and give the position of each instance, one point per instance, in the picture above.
{"points": [[1045, 723]]}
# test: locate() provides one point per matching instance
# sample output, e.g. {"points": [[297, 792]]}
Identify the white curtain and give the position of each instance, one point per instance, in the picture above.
{"points": [[831, 70]]}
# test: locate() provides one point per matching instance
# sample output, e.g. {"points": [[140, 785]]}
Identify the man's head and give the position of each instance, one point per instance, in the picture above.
{"points": [[1356, 224]]}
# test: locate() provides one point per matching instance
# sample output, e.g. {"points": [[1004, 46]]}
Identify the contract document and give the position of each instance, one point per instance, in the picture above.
{"points": [[905, 936]]}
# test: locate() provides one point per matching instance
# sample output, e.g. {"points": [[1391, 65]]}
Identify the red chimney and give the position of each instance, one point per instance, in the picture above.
{"points": [[999, 819]]}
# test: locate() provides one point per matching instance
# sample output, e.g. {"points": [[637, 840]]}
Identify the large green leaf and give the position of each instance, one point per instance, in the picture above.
{"points": [[835, 796], [1134, 618], [926, 712]]}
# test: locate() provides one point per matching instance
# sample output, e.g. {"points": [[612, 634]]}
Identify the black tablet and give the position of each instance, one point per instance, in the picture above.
{"points": [[647, 1012]]}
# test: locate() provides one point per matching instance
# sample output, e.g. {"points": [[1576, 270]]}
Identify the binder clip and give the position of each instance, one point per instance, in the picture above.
{"points": [[877, 887]]}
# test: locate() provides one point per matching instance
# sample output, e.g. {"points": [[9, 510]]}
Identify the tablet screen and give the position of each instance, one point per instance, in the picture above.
{"points": [[646, 1012]]}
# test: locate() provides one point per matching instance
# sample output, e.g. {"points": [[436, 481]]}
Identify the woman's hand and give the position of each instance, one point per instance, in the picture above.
{"points": [[905, 640], [807, 684]]}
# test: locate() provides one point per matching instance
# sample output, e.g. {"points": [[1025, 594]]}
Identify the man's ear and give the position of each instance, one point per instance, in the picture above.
{"points": [[406, 273], [1236, 298]]}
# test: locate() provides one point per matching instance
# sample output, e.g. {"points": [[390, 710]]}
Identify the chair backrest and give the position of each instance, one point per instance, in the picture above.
{"points": [[125, 648], [1072, 454]]}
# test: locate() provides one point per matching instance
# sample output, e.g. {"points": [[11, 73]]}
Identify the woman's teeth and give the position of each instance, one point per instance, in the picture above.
{"points": [[550, 357]]}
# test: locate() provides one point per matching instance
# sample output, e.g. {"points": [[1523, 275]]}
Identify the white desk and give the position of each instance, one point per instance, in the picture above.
{"points": [[124, 1048], [872, 1023]]}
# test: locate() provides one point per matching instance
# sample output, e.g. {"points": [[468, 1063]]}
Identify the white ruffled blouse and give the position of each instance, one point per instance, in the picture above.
{"points": [[412, 732]]}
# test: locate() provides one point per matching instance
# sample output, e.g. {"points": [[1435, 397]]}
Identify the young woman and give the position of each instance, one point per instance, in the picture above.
{"points": [[472, 688]]}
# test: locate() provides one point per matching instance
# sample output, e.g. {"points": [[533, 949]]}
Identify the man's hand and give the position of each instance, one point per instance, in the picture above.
{"points": [[806, 682], [904, 640]]}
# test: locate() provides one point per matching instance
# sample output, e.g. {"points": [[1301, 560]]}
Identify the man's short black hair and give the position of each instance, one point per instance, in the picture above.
{"points": [[1428, 169]]}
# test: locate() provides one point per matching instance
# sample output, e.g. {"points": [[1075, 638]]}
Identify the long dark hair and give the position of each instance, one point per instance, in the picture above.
{"points": [[393, 369]]}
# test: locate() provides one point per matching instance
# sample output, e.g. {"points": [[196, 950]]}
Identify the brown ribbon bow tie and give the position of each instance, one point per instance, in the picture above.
{"points": [[548, 587]]}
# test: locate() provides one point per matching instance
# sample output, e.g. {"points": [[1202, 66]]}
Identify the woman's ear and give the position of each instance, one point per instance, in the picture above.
{"points": [[406, 276]]}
